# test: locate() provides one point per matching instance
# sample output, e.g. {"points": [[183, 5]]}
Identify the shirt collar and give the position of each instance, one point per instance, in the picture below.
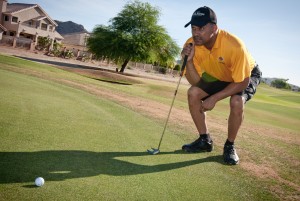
{"points": [[218, 40]]}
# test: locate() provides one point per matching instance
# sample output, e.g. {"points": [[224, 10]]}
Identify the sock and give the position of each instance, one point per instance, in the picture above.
{"points": [[229, 143]]}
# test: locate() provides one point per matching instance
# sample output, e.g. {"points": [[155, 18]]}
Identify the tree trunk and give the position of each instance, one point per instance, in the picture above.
{"points": [[124, 65]]}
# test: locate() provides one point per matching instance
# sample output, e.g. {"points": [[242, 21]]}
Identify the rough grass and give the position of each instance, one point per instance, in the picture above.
{"points": [[88, 147]]}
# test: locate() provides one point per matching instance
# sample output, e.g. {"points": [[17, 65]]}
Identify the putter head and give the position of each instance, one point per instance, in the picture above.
{"points": [[153, 151]]}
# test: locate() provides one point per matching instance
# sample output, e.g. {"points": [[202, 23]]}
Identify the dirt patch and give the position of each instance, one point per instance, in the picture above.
{"points": [[266, 172]]}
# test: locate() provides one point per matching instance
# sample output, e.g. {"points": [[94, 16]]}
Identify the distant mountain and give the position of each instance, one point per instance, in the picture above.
{"points": [[69, 27]]}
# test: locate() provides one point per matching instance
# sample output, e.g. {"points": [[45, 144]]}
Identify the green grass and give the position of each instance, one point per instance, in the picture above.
{"points": [[90, 148]]}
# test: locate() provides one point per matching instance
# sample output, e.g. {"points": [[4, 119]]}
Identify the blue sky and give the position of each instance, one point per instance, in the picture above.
{"points": [[269, 28]]}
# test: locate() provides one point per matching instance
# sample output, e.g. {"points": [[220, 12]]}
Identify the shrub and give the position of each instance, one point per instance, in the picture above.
{"points": [[177, 67], [43, 43], [281, 84], [56, 49], [69, 54], [162, 70]]}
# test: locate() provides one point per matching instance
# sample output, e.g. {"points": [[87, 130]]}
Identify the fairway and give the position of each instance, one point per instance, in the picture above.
{"points": [[90, 146]]}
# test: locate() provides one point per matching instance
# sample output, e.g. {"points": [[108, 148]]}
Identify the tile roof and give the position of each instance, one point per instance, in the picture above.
{"points": [[16, 7], [58, 36]]}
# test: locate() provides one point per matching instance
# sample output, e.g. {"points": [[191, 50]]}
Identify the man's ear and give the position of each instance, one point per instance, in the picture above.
{"points": [[215, 27]]}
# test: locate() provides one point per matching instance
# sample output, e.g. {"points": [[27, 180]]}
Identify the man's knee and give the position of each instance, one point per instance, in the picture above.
{"points": [[192, 93], [237, 104], [195, 93]]}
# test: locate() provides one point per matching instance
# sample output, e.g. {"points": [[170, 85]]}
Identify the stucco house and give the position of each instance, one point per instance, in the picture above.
{"points": [[22, 24]]}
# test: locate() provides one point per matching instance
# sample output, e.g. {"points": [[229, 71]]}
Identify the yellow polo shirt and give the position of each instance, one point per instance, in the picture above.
{"points": [[227, 61]]}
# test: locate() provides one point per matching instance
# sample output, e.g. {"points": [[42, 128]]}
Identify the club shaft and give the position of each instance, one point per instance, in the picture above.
{"points": [[181, 74], [162, 135]]}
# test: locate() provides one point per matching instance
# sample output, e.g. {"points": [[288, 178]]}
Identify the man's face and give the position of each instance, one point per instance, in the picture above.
{"points": [[203, 35]]}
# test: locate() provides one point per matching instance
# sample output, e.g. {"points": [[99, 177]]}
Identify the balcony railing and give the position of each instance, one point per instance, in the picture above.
{"points": [[35, 31], [23, 43], [7, 40]]}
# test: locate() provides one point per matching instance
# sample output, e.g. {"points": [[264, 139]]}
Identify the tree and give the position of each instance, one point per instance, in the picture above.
{"points": [[134, 35], [281, 84]]}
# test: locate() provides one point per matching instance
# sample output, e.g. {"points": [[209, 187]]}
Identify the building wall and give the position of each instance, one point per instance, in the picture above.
{"points": [[75, 39], [10, 25], [3, 6]]}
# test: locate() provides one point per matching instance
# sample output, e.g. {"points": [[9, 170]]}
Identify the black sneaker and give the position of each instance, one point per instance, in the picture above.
{"points": [[200, 145], [230, 156]]}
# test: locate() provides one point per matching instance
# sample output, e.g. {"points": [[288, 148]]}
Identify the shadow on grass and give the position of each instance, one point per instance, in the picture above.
{"points": [[64, 64], [85, 67], [18, 167], [110, 81]]}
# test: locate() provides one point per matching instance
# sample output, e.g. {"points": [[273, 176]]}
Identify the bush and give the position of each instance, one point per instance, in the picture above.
{"points": [[177, 67], [162, 70], [281, 84], [56, 49], [69, 54], [43, 43]]}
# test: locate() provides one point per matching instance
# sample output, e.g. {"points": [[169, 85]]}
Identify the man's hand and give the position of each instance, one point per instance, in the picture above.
{"points": [[188, 50], [208, 104]]}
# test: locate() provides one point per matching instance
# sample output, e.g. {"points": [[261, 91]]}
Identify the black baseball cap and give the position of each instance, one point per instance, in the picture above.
{"points": [[202, 16]]}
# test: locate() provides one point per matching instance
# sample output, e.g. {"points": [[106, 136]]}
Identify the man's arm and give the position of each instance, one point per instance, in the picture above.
{"points": [[191, 74]]}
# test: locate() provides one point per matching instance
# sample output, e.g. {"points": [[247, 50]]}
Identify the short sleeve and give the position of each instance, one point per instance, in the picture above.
{"points": [[240, 64]]}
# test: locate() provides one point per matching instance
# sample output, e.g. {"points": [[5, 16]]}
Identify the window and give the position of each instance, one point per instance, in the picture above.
{"points": [[14, 19], [6, 18], [44, 26]]}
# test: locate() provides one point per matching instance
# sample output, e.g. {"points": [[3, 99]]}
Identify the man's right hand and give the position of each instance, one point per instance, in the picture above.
{"points": [[188, 50]]}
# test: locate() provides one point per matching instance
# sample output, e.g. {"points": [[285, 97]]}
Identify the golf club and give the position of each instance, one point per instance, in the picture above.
{"points": [[154, 151]]}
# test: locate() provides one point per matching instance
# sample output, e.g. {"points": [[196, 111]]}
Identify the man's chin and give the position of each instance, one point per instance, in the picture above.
{"points": [[198, 43]]}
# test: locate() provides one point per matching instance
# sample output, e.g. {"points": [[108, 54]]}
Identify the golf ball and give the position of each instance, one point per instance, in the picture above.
{"points": [[39, 181]]}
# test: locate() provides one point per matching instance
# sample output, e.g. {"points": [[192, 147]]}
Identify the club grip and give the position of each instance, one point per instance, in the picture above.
{"points": [[184, 62]]}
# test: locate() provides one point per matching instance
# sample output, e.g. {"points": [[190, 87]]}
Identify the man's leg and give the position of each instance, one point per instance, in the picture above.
{"points": [[234, 123], [204, 142], [237, 103], [236, 116], [195, 95]]}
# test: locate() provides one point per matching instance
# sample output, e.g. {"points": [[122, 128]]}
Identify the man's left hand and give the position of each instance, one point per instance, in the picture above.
{"points": [[208, 104]]}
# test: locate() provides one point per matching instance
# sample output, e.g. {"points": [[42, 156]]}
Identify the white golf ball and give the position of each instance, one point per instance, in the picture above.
{"points": [[39, 181]]}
